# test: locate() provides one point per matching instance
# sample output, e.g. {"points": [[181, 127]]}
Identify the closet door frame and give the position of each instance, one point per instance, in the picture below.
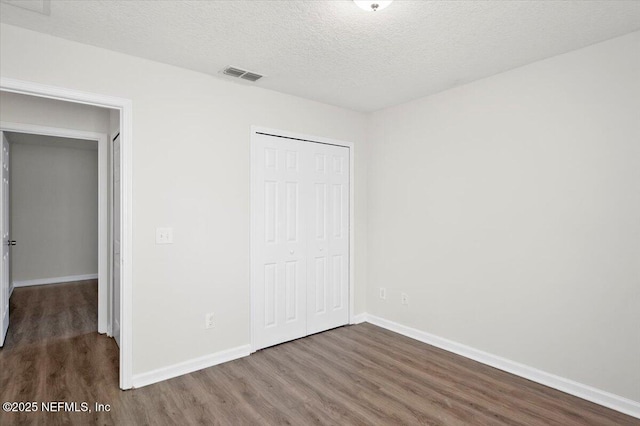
{"points": [[259, 130]]}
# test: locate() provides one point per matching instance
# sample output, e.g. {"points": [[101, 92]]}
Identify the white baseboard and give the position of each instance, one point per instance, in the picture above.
{"points": [[580, 390], [55, 280], [186, 367], [358, 319]]}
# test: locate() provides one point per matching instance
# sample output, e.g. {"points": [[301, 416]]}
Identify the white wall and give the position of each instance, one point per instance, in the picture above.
{"points": [[509, 211], [191, 172], [16, 108], [54, 211], [114, 123]]}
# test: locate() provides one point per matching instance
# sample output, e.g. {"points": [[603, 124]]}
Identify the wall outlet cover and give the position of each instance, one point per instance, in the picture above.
{"points": [[164, 235], [208, 320]]}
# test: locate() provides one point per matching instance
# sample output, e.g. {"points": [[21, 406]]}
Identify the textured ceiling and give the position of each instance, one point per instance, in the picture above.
{"points": [[332, 51]]}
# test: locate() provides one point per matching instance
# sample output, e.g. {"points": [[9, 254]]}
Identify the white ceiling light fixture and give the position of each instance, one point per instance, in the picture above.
{"points": [[372, 6]]}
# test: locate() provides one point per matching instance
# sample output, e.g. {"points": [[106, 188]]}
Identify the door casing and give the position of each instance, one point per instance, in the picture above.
{"points": [[255, 130], [114, 288], [125, 107]]}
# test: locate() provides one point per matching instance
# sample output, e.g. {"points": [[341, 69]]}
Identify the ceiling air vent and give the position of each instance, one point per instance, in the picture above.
{"points": [[233, 72], [243, 74], [251, 76]]}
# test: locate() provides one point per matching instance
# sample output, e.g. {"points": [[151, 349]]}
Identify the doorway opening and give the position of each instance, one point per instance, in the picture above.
{"points": [[114, 299], [54, 226]]}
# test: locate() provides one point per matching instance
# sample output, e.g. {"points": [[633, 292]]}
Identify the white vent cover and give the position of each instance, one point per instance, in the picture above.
{"points": [[243, 74], [251, 76]]}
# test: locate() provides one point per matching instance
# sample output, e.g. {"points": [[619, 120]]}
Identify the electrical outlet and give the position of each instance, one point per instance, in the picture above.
{"points": [[208, 320], [404, 299], [383, 293], [164, 235]]}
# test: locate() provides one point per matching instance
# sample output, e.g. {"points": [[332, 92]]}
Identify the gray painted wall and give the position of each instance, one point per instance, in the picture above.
{"points": [[54, 211], [509, 211]]}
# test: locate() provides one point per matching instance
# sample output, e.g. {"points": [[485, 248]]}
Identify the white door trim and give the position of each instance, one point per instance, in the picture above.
{"points": [[101, 138], [112, 136], [125, 107], [311, 139]]}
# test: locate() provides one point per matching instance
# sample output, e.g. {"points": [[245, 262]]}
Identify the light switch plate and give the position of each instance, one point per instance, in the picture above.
{"points": [[383, 293], [164, 235]]}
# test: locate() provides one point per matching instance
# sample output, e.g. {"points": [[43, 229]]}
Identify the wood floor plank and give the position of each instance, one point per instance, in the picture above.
{"points": [[476, 395], [356, 375], [367, 387], [533, 397], [416, 397]]}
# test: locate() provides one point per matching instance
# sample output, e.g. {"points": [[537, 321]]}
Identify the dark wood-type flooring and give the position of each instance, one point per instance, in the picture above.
{"points": [[351, 375]]}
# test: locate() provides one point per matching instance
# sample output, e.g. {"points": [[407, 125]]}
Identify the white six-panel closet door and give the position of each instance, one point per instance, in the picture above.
{"points": [[328, 238], [279, 243], [300, 238]]}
